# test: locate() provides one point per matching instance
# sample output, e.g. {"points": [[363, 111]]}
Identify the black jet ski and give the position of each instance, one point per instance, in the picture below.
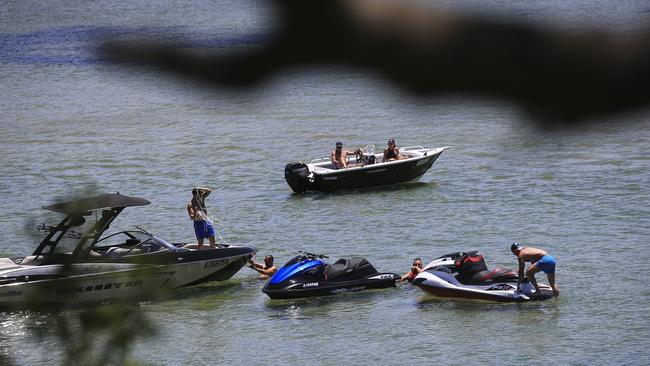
{"points": [[308, 275], [466, 276]]}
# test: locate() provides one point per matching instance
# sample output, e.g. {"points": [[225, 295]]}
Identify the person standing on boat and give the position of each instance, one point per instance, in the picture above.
{"points": [[339, 157], [199, 215], [540, 261], [391, 152]]}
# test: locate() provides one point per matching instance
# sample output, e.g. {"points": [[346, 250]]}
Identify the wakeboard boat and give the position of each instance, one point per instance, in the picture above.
{"points": [[465, 276], [365, 170], [74, 263], [307, 275]]}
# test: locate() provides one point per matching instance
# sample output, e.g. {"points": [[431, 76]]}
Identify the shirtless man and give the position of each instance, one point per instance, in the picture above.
{"points": [[392, 152], [540, 261], [266, 270], [199, 215], [339, 157]]}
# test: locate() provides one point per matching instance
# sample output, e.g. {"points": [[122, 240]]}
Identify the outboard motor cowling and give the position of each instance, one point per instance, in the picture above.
{"points": [[297, 176]]}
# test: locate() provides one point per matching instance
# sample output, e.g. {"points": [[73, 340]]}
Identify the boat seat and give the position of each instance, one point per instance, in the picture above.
{"points": [[32, 260], [118, 252]]}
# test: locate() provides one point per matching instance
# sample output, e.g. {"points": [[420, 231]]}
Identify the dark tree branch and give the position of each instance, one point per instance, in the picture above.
{"points": [[570, 75]]}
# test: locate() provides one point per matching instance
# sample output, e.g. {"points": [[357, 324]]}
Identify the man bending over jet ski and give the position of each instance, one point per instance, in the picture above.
{"points": [[540, 261]]}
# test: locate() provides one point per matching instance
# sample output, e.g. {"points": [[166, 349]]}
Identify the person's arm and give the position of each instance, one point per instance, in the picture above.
{"points": [[190, 211], [405, 276], [255, 265], [385, 153], [267, 272], [397, 155], [344, 158], [520, 273], [204, 191]]}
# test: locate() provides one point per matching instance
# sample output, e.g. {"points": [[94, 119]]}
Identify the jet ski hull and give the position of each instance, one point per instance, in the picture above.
{"points": [[307, 275], [325, 288], [446, 278]]}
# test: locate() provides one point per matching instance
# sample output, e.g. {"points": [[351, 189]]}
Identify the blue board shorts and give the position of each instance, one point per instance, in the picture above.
{"points": [[546, 264], [203, 229]]}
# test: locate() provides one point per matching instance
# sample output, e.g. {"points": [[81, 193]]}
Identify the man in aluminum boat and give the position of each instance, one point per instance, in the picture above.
{"points": [[339, 157]]}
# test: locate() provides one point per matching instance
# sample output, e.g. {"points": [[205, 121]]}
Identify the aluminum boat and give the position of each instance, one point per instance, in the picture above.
{"points": [[365, 170]]}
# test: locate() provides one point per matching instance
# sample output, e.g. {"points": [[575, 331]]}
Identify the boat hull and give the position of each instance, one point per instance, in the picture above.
{"points": [[136, 277], [379, 175]]}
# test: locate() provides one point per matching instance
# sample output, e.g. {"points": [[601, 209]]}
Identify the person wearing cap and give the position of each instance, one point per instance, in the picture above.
{"points": [[339, 157], [540, 261], [392, 152], [199, 215]]}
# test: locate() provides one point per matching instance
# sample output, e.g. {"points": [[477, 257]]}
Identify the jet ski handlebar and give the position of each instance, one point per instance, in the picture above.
{"points": [[312, 255]]}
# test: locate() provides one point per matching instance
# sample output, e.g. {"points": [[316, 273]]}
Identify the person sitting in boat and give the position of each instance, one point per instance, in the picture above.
{"points": [[392, 152], [339, 157], [266, 270], [540, 261], [416, 268], [199, 215]]}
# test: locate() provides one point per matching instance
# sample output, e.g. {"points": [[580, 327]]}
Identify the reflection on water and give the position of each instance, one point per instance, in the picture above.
{"points": [[361, 192]]}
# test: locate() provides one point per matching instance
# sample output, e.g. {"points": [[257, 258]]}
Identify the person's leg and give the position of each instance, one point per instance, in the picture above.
{"points": [[530, 274], [209, 233], [198, 230], [551, 281]]}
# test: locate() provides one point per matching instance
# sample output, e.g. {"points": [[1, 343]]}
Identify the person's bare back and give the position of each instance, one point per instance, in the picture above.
{"points": [[530, 254]]}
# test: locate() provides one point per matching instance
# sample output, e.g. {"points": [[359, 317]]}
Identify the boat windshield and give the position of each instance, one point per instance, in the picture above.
{"points": [[133, 238]]}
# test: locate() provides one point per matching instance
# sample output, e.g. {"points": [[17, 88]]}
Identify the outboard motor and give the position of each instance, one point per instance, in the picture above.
{"points": [[297, 175]]}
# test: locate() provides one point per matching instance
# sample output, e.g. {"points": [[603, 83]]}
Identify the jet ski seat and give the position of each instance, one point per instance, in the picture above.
{"points": [[495, 275], [355, 267], [337, 269]]}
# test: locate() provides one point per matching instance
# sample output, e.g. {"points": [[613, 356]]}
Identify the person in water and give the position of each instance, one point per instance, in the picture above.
{"points": [[199, 215], [392, 152], [266, 270], [416, 268], [339, 157], [540, 261]]}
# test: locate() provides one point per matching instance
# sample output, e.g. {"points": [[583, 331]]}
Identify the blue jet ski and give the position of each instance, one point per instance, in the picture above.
{"points": [[307, 275]]}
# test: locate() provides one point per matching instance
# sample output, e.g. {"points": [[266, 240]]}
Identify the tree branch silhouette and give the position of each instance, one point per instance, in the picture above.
{"points": [[568, 75]]}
